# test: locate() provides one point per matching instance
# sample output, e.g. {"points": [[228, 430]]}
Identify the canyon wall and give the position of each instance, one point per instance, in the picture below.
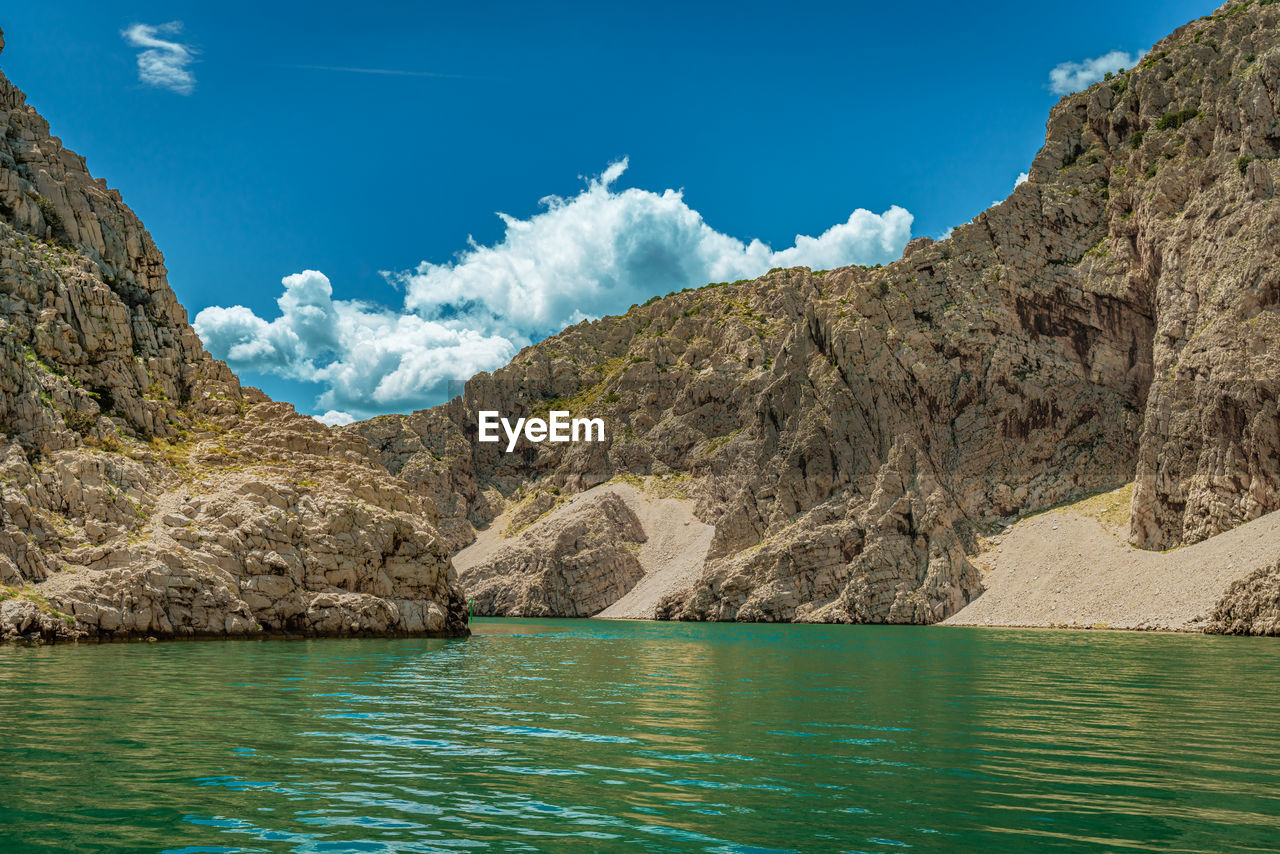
{"points": [[850, 432]]}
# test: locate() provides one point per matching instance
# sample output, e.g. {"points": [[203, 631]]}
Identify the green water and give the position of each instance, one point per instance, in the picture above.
{"points": [[584, 736]]}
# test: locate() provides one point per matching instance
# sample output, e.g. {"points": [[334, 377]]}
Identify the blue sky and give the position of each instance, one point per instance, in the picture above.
{"points": [[773, 120]]}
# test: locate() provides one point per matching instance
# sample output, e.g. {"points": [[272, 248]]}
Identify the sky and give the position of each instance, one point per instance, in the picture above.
{"points": [[359, 203]]}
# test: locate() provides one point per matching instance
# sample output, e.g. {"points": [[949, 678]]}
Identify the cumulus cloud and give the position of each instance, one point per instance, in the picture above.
{"points": [[578, 258], [1022, 178], [334, 418], [1070, 77], [370, 358], [162, 63]]}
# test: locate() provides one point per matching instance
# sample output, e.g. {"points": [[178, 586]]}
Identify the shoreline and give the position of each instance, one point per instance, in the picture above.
{"points": [[1071, 566], [209, 637], [277, 636]]}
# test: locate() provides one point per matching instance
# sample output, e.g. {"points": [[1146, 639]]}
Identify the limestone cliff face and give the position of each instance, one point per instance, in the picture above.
{"points": [[142, 490], [574, 566], [849, 431], [1205, 235]]}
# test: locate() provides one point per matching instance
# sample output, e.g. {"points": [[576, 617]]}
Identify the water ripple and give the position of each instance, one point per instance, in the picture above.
{"points": [[585, 736]]}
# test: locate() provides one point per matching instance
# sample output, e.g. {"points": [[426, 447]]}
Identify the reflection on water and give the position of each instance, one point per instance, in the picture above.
{"points": [[584, 736]]}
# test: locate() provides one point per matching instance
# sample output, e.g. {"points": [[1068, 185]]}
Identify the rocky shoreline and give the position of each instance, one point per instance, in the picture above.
{"points": [[143, 491]]}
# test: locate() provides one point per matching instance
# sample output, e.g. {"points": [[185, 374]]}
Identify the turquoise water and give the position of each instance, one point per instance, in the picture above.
{"points": [[539, 735]]}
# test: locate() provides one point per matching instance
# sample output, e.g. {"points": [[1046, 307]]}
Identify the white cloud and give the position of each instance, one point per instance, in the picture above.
{"points": [[1071, 77], [162, 63], [1022, 178], [369, 358], [334, 418], [579, 258]]}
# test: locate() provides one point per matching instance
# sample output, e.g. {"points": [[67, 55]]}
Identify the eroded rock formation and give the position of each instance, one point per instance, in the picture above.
{"points": [[1250, 606], [575, 565], [142, 490]]}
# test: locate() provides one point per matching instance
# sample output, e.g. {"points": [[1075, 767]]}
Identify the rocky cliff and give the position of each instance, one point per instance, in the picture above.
{"points": [[850, 432], [142, 490], [574, 565]]}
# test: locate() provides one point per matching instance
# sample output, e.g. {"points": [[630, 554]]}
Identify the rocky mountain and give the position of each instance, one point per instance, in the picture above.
{"points": [[850, 433], [143, 492]]}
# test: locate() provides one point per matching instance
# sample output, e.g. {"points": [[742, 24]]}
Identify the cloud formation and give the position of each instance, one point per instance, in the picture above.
{"points": [[162, 63], [1070, 77], [334, 418], [578, 258], [370, 359]]}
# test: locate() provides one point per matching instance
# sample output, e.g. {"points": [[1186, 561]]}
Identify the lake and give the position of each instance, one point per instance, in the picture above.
{"points": [[578, 735]]}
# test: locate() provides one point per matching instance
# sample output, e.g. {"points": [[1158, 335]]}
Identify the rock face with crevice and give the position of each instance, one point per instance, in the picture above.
{"points": [[850, 432], [142, 490]]}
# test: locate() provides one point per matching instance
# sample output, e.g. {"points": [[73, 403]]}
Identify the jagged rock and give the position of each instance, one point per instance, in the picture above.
{"points": [[1251, 606], [574, 566], [429, 453], [848, 432], [142, 490]]}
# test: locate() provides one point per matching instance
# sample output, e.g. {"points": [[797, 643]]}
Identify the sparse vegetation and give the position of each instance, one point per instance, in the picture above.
{"points": [[50, 215], [673, 485], [11, 592], [715, 443], [80, 422], [1175, 120]]}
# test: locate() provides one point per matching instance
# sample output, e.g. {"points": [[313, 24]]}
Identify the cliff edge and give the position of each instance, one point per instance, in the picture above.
{"points": [[143, 492]]}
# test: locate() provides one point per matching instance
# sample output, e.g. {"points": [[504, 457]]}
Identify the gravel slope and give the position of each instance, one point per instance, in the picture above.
{"points": [[1072, 567]]}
